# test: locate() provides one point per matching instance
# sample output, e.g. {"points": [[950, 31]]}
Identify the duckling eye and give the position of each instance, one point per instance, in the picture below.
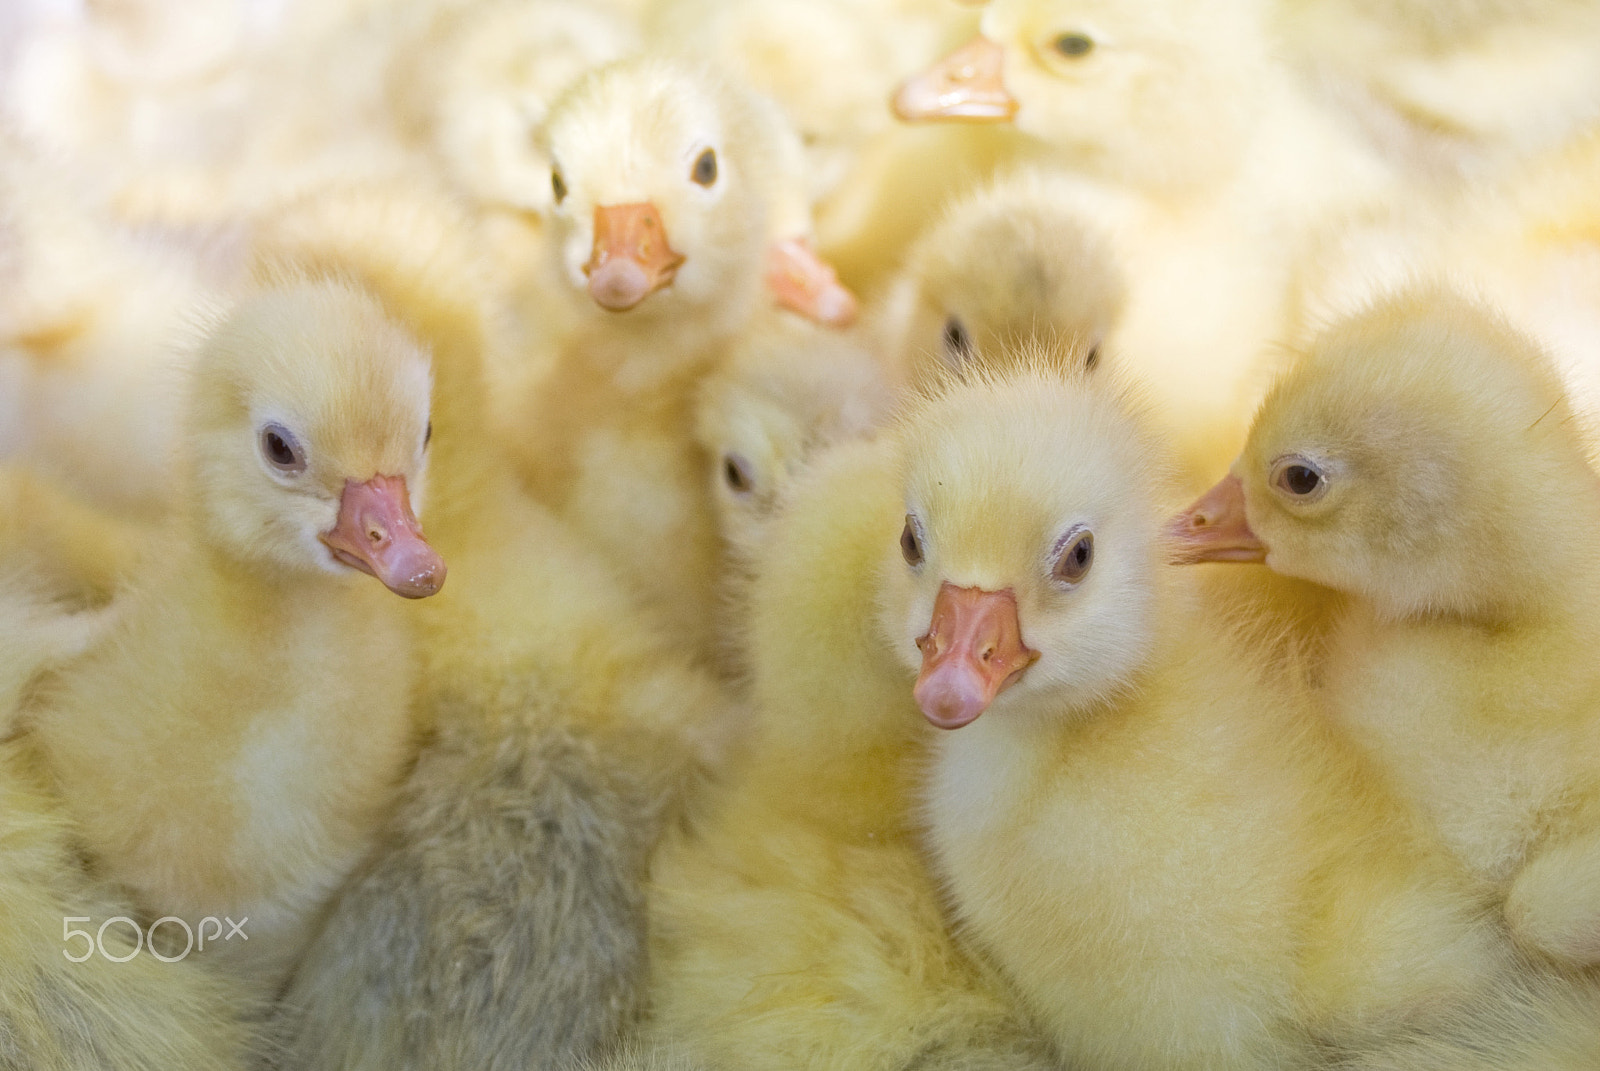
{"points": [[957, 343], [427, 436], [911, 542], [1076, 555], [558, 185], [1093, 359], [282, 450], [705, 168], [1073, 45], [1299, 477], [738, 475]]}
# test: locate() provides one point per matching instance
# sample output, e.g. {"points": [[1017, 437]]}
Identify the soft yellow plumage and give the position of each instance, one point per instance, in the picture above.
{"points": [[230, 744], [1447, 492]]}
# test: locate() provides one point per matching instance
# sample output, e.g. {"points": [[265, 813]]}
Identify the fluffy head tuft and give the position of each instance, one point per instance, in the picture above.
{"points": [[1448, 457], [999, 474], [319, 366]]}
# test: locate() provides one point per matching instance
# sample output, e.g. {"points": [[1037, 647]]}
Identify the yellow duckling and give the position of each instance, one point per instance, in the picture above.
{"points": [[566, 729], [666, 178], [1422, 460], [794, 924], [1010, 269], [261, 688]]}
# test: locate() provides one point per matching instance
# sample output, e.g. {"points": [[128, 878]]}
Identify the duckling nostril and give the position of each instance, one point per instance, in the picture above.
{"points": [[377, 534]]}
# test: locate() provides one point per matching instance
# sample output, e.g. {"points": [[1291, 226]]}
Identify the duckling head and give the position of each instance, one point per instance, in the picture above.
{"points": [[1027, 573], [1158, 90], [774, 405], [308, 430], [1011, 271], [1421, 455], [658, 173]]}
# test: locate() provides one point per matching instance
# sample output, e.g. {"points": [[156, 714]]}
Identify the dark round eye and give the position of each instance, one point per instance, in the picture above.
{"points": [[1300, 478], [1076, 555], [1073, 45], [427, 436], [911, 542], [737, 474], [705, 168], [558, 185], [1093, 360], [282, 450], [957, 343]]}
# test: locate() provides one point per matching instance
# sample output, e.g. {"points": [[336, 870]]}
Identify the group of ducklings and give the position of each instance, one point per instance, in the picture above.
{"points": [[779, 438]]}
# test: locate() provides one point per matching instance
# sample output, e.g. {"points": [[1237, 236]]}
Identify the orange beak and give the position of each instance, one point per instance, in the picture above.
{"points": [[966, 85], [972, 652], [805, 283], [1215, 529], [377, 533], [631, 258]]}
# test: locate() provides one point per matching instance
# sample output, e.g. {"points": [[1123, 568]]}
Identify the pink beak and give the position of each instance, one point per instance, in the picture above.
{"points": [[804, 283], [972, 652], [378, 534], [966, 86], [630, 258], [1215, 528]]}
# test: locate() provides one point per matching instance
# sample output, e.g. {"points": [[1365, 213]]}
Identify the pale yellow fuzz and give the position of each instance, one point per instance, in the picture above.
{"points": [[794, 924], [1456, 515], [1164, 849], [229, 746], [57, 1015]]}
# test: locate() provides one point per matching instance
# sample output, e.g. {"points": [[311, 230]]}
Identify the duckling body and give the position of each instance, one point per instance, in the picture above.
{"points": [[1465, 684], [127, 1011], [250, 673]]}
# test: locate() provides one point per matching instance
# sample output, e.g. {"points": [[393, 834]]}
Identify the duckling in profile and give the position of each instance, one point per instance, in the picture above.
{"points": [[1010, 269], [1422, 460], [1168, 855], [255, 679]]}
